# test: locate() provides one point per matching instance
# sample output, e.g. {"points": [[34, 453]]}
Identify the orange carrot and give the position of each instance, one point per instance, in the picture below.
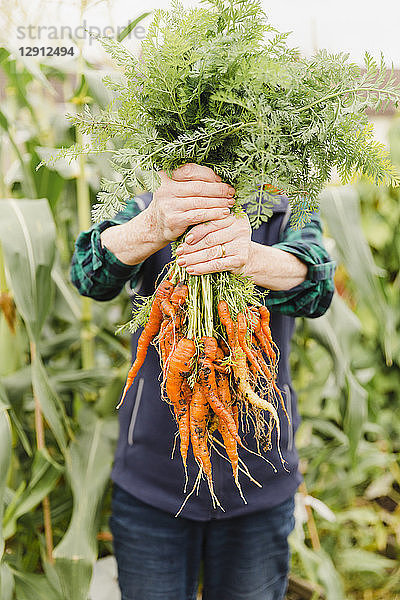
{"points": [[267, 341], [224, 347], [180, 364], [180, 293], [226, 321], [254, 321], [167, 309], [229, 441], [273, 382], [265, 316], [235, 413], [265, 345], [230, 448], [264, 367], [198, 411], [148, 334], [183, 419], [242, 328], [208, 382], [220, 368], [219, 354]]}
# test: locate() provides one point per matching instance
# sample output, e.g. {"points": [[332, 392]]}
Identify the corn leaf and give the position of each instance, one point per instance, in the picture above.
{"points": [[88, 462], [45, 474], [336, 331], [6, 582], [50, 403], [341, 210], [27, 234], [29, 586], [5, 461]]}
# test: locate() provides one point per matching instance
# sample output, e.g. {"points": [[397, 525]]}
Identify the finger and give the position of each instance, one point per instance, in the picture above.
{"points": [[185, 204], [210, 241], [202, 256], [200, 231], [192, 171], [193, 217], [228, 263], [206, 189]]}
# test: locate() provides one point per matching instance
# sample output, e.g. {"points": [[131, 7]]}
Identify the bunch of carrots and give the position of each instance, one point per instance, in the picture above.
{"points": [[212, 381]]}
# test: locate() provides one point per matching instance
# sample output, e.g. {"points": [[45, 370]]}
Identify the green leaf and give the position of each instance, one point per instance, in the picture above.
{"points": [[341, 210], [3, 121], [329, 577], [5, 461], [67, 296], [4, 403], [27, 182], [27, 234], [45, 474], [17, 384], [12, 346], [29, 586], [6, 582], [126, 31], [30, 68], [88, 462], [319, 568], [337, 331], [50, 403], [4, 54], [20, 432], [357, 559], [66, 170], [356, 414]]}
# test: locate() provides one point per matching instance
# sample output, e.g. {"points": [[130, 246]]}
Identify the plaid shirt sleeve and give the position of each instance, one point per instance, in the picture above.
{"points": [[97, 272], [312, 297]]}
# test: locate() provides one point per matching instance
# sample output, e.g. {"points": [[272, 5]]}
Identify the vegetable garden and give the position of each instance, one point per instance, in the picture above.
{"points": [[62, 368]]}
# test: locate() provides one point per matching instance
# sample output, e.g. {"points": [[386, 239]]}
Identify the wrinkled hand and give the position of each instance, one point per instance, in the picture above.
{"points": [[219, 245], [194, 194]]}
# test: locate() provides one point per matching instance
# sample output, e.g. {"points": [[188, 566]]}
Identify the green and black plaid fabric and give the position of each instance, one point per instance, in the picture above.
{"points": [[312, 297], [97, 273]]}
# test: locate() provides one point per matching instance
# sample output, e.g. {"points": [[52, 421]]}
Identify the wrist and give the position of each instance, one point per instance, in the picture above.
{"points": [[134, 241], [273, 268], [252, 266], [144, 235], [148, 228]]}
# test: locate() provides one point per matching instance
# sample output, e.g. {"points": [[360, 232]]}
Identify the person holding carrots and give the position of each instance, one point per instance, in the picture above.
{"points": [[242, 545]]}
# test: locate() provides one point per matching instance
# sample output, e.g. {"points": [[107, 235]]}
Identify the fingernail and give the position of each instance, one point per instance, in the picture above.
{"points": [[232, 190], [189, 238], [226, 211], [190, 270], [218, 178], [181, 262], [231, 202]]}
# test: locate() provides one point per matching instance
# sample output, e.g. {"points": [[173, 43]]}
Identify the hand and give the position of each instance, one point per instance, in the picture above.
{"points": [[193, 195], [205, 245]]}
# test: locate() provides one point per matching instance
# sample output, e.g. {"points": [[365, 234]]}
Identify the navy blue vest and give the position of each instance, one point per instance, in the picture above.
{"points": [[144, 464]]}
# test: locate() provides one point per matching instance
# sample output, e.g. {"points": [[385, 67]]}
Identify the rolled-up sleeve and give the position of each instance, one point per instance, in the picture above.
{"points": [[312, 297], [95, 271]]}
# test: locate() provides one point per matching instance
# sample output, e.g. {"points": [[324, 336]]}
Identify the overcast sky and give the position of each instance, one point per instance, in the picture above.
{"points": [[344, 25]]}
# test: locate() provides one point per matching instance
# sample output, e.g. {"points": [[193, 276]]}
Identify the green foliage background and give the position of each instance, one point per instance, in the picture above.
{"points": [[62, 365]]}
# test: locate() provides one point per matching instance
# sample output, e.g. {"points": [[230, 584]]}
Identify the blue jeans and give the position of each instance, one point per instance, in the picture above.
{"points": [[159, 555]]}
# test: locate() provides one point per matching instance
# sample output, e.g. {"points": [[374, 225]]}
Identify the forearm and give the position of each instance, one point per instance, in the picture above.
{"points": [[134, 241], [273, 268]]}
